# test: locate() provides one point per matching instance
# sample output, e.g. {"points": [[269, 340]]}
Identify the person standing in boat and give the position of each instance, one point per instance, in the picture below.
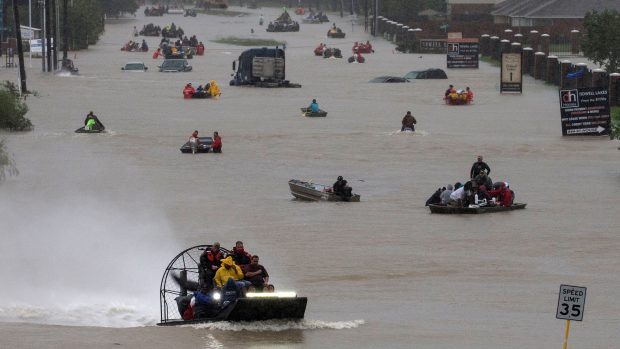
{"points": [[216, 147], [479, 166], [409, 122], [314, 106]]}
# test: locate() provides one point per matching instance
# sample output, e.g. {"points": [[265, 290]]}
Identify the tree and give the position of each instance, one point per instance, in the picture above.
{"points": [[602, 40], [12, 109], [116, 7]]}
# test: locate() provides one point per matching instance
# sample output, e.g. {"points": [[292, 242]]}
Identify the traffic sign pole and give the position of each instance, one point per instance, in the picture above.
{"points": [[566, 334]]}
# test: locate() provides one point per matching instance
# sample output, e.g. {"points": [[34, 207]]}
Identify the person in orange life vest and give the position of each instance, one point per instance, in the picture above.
{"points": [[210, 261], [217, 143], [470, 94], [188, 91], [240, 256]]}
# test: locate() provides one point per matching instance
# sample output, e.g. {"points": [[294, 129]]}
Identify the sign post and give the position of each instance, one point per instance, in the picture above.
{"points": [[585, 111], [512, 74], [571, 304]]}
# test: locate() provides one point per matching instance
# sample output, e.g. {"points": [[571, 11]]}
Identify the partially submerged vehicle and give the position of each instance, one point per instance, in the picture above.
{"points": [[389, 79], [135, 67], [432, 73], [154, 11], [316, 18], [316, 192], [474, 209], [168, 32], [261, 67], [190, 12], [176, 11], [307, 112], [150, 30], [182, 276], [204, 146], [175, 65]]}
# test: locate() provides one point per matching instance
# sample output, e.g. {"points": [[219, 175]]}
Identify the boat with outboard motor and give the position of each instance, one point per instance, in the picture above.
{"points": [[307, 112], [474, 209], [182, 276], [317, 192]]}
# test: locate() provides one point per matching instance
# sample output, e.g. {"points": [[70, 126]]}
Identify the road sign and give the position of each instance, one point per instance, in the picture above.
{"points": [[511, 74], [571, 303], [585, 111]]}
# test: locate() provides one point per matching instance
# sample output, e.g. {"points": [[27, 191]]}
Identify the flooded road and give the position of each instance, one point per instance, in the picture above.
{"points": [[92, 220]]}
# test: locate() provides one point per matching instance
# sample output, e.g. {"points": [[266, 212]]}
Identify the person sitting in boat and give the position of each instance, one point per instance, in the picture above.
{"points": [[319, 49], [457, 196], [214, 89], [230, 292], [435, 199], [188, 91], [144, 47], [229, 270], [194, 141], [356, 47], [483, 194], [369, 46], [445, 195], [240, 256], [470, 94], [448, 92], [408, 122], [469, 194], [341, 189], [216, 146], [478, 166], [200, 92], [156, 53], [210, 261], [92, 122], [257, 275], [314, 106], [205, 305], [483, 179], [503, 195]]}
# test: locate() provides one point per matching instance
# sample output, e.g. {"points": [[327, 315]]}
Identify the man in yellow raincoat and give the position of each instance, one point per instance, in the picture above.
{"points": [[214, 89]]}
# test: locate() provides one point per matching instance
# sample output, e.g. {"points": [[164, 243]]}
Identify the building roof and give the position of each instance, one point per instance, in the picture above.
{"points": [[472, 2], [552, 8]]}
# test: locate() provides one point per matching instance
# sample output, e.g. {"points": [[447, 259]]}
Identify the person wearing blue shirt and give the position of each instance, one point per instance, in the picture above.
{"points": [[314, 106]]}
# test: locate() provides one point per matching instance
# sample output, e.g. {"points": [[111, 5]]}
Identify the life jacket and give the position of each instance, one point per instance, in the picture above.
{"points": [[188, 91]]}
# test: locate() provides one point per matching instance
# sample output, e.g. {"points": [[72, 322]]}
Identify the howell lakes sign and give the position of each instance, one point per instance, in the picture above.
{"points": [[585, 111], [463, 53]]}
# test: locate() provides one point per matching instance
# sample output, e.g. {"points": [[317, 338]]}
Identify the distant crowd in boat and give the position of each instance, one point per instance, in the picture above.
{"points": [[454, 96], [210, 90], [132, 46], [479, 191]]}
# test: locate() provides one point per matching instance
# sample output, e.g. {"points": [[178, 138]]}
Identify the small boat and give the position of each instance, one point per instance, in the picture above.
{"points": [[316, 192], [203, 147], [474, 210], [94, 130], [253, 307], [308, 113]]}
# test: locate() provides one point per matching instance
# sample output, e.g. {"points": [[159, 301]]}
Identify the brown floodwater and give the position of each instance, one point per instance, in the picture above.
{"points": [[91, 221]]}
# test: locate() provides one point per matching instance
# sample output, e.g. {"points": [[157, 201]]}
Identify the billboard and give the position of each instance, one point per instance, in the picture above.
{"points": [[585, 111], [36, 46], [511, 73], [463, 53]]}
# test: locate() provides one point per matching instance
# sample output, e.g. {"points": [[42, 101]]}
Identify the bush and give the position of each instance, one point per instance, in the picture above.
{"points": [[12, 109], [615, 123]]}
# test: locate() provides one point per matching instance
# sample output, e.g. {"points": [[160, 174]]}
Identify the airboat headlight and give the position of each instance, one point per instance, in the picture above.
{"points": [[272, 295], [217, 296]]}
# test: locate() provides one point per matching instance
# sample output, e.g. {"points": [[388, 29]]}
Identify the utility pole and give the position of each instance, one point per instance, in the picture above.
{"points": [[43, 49], [54, 35], [376, 17], [65, 31], [48, 35], [20, 49]]}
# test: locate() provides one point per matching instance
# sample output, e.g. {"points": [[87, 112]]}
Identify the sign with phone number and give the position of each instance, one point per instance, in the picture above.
{"points": [[571, 303]]}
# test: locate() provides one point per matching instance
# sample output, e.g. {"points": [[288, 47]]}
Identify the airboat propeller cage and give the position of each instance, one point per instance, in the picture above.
{"points": [[185, 265]]}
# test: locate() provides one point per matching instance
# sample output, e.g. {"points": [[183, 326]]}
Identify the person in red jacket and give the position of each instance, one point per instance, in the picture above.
{"points": [[217, 143], [503, 194], [188, 91]]}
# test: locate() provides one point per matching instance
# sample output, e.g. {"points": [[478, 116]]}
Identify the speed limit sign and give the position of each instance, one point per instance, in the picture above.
{"points": [[571, 303]]}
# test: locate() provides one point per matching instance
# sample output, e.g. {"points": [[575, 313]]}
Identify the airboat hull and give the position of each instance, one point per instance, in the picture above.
{"points": [[254, 309]]}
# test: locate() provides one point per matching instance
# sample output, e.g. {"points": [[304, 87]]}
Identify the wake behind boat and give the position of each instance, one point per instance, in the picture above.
{"points": [[183, 274], [317, 192]]}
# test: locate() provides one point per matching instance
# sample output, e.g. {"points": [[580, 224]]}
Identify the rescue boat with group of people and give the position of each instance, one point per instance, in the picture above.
{"points": [[284, 23], [362, 48], [134, 46], [210, 90], [196, 144], [327, 52], [339, 191], [207, 283], [477, 195], [453, 96], [335, 32]]}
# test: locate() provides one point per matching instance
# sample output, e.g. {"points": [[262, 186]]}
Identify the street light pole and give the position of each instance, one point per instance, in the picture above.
{"points": [[20, 49]]}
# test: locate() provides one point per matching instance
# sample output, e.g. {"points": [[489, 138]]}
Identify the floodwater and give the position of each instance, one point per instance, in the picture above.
{"points": [[91, 221]]}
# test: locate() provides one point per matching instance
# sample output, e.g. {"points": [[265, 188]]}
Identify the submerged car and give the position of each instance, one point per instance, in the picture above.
{"points": [[175, 65], [135, 66], [389, 79], [426, 74]]}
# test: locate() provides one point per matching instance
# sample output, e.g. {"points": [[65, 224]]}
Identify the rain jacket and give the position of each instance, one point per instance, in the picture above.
{"points": [[222, 275], [314, 107], [214, 89], [217, 144], [503, 194], [188, 92]]}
